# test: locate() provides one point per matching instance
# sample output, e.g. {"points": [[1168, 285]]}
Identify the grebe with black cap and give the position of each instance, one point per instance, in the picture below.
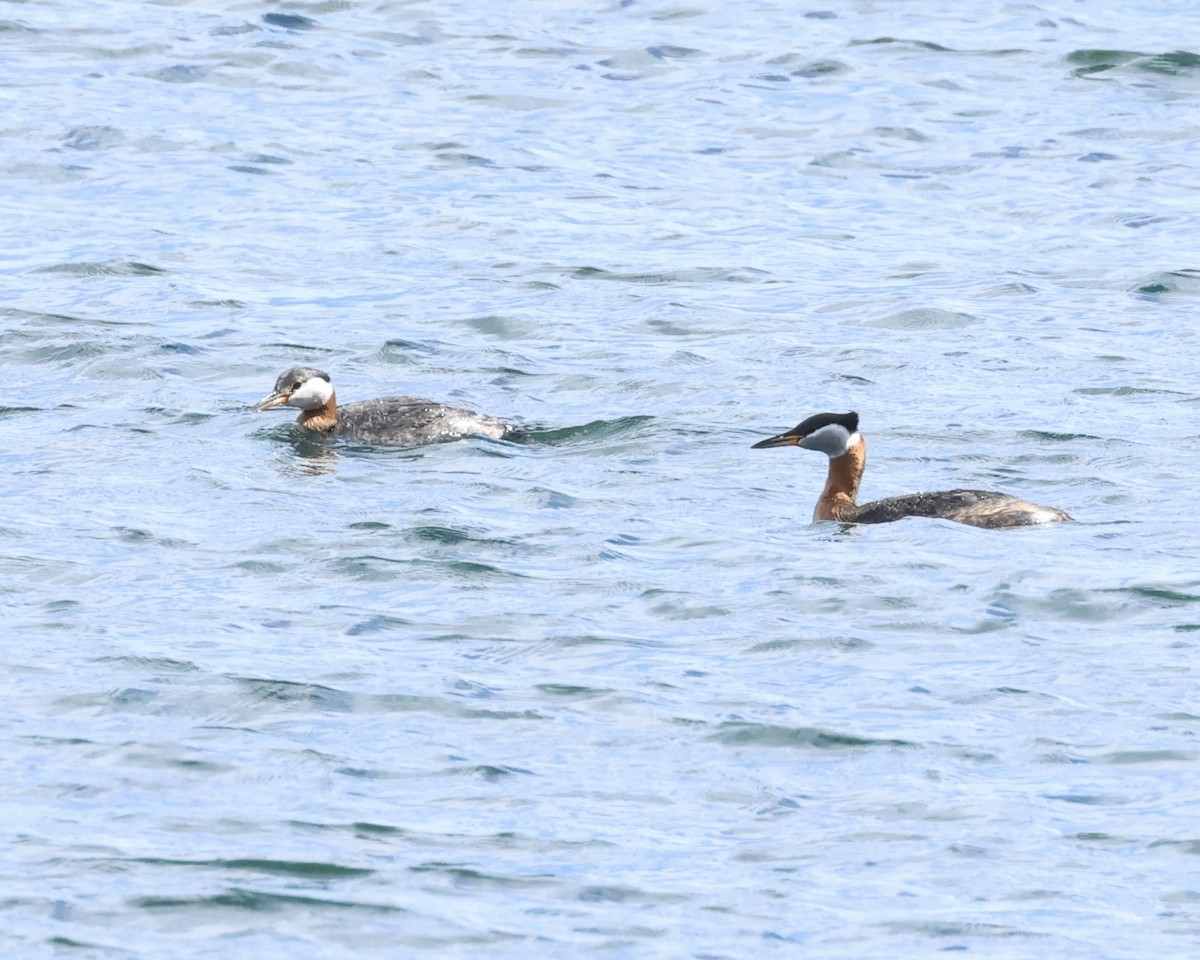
{"points": [[836, 435], [395, 421]]}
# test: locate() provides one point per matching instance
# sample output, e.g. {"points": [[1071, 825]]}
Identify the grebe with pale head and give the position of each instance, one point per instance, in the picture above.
{"points": [[395, 421]]}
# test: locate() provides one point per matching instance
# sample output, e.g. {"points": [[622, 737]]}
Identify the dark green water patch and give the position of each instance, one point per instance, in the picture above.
{"points": [[1175, 63], [371, 568], [618, 893], [189, 419], [408, 703], [942, 929], [1053, 437], [596, 430], [699, 275], [379, 623], [924, 318], [571, 691], [1126, 391], [588, 639], [668, 52], [815, 69], [290, 347], [377, 830], [1089, 799], [133, 535], [1123, 757], [260, 566], [451, 536], [44, 741], [1158, 596], [288, 692], [104, 268], [1183, 846], [289, 21], [473, 571], [912, 44], [463, 159], [180, 73], [811, 643], [1168, 284], [308, 870], [363, 773], [739, 733], [186, 349], [51, 319], [163, 664], [67, 353], [95, 949], [227, 304], [257, 901], [400, 351], [463, 876], [1087, 62], [491, 773]]}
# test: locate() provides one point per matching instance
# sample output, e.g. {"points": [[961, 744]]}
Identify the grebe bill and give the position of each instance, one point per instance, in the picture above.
{"points": [[395, 421], [836, 435]]}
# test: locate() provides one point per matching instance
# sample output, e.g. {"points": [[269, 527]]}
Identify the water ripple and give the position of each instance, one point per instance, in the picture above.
{"points": [[606, 692]]}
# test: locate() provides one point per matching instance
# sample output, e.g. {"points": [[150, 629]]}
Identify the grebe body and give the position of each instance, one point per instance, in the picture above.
{"points": [[836, 435], [395, 421]]}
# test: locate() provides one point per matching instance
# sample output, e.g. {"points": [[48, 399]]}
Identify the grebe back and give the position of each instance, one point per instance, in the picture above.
{"points": [[395, 421], [836, 435]]}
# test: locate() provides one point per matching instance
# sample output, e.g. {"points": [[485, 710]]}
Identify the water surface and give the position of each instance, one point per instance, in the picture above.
{"points": [[608, 693]]}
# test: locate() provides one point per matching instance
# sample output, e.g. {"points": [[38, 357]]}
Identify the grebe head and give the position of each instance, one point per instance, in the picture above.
{"points": [[303, 387], [830, 433]]}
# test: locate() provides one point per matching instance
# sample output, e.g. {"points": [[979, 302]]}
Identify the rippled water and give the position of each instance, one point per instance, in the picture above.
{"points": [[607, 693]]}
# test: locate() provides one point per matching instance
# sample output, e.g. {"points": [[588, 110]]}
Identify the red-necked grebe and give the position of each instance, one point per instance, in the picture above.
{"points": [[396, 421], [836, 435]]}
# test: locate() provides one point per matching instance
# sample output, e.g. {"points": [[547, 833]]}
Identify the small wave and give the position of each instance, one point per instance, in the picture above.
{"points": [[740, 733], [595, 430]]}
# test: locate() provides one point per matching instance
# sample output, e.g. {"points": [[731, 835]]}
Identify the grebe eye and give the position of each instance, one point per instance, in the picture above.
{"points": [[296, 385]]}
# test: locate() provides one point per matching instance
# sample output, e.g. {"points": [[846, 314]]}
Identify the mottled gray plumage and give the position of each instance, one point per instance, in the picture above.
{"points": [[395, 421], [979, 508], [405, 421]]}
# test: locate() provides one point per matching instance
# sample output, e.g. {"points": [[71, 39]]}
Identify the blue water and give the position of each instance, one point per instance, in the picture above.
{"points": [[608, 693]]}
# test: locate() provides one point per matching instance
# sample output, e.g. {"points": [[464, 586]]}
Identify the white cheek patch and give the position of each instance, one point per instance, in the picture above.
{"points": [[313, 394], [832, 439]]}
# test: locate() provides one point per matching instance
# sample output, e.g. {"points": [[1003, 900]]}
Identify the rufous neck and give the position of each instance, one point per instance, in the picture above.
{"points": [[839, 498], [322, 419]]}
